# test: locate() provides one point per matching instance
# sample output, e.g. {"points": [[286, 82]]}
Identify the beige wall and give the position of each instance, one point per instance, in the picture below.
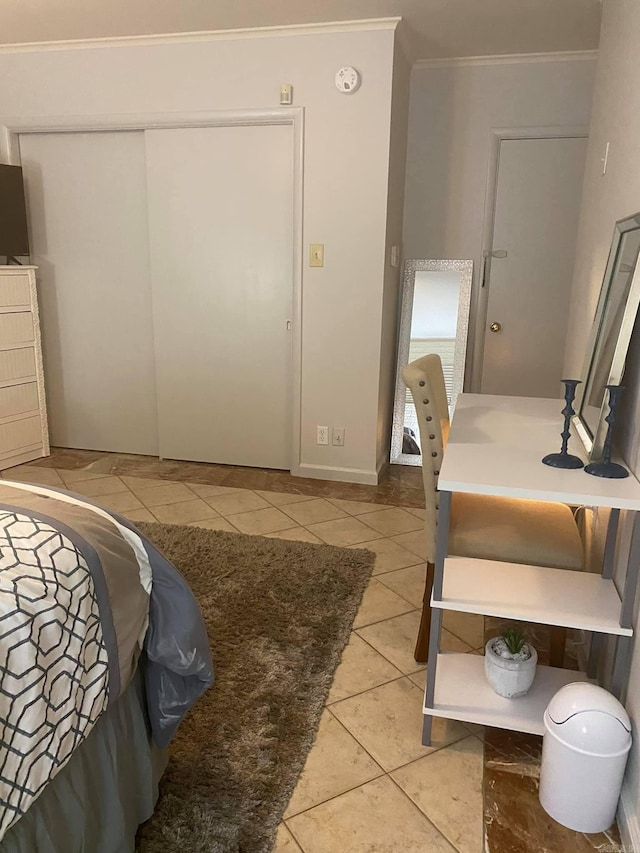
{"points": [[616, 119], [452, 114], [392, 275], [346, 164]]}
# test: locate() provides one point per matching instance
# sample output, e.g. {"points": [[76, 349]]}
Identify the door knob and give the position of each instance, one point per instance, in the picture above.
{"points": [[495, 327]]}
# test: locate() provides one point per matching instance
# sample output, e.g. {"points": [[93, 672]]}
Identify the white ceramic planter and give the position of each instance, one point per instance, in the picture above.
{"points": [[509, 678]]}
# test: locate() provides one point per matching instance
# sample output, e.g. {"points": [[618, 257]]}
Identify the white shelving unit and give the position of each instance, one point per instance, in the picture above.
{"points": [[495, 447]]}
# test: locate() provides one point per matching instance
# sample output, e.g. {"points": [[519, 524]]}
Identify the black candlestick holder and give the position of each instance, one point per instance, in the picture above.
{"points": [[564, 459], [607, 468]]}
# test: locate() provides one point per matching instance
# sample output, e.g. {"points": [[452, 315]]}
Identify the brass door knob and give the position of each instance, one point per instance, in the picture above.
{"points": [[495, 327]]}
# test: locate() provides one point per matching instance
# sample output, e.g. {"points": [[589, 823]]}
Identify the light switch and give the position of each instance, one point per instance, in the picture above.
{"points": [[316, 255]]}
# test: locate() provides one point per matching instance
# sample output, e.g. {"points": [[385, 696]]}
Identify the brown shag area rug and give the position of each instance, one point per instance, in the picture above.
{"points": [[278, 615]]}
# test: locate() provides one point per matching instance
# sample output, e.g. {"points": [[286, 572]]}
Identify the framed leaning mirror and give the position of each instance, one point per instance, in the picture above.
{"points": [[434, 318], [610, 334]]}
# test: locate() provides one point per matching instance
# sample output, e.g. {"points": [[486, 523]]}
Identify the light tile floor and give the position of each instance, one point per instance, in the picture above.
{"points": [[368, 784]]}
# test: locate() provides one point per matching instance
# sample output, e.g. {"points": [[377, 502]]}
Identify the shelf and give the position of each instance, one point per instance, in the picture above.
{"points": [[496, 445], [463, 693], [532, 594]]}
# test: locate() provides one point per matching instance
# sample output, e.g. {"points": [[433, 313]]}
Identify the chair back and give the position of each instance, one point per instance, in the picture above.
{"points": [[425, 380]]}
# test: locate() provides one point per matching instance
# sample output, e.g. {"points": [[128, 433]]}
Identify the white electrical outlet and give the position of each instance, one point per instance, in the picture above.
{"points": [[338, 436], [322, 435]]}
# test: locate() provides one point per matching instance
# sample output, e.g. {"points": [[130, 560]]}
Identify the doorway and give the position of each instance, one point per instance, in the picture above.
{"points": [[529, 271]]}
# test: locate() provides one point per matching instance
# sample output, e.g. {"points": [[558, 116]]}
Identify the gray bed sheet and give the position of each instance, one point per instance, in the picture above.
{"points": [[106, 790]]}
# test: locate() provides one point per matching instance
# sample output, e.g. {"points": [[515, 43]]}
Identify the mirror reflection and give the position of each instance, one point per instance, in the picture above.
{"points": [[610, 335], [434, 319], [617, 297]]}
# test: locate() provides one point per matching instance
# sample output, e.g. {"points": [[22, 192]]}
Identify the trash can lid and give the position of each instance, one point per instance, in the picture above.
{"points": [[589, 718]]}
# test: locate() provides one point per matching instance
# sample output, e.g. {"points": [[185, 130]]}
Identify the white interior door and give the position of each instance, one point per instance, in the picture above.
{"points": [[88, 221], [536, 220], [221, 240]]}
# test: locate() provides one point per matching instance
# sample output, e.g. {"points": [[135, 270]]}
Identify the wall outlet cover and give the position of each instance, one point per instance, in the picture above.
{"points": [[322, 435]]}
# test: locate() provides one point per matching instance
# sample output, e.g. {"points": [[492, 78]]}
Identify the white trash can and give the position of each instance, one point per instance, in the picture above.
{"points": [[587, 739]]}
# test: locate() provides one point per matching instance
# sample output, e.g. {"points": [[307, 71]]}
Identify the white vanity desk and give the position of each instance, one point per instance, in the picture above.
{"points": [[495, 447]]}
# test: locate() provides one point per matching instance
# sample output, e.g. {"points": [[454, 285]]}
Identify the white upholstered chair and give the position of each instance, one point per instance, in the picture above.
{"points": [[487, 527]]}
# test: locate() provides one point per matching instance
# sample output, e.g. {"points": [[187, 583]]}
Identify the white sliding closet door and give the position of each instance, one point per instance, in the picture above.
{"points": [[221, 238], [88, 219]]}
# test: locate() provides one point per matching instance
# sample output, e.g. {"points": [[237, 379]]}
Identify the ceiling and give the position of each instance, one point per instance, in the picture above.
{"points": [[435, 28]]}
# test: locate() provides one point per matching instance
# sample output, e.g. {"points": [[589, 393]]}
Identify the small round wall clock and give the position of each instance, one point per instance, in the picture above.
{"points": [[347, 79]]}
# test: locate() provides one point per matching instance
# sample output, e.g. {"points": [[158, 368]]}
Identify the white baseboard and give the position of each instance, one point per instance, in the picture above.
{"points": [[361, 476], [628, 821]]}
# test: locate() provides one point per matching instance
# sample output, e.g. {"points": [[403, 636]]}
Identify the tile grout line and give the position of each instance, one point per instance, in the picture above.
{"points": [[369, 689], [379, 507], [364, 640], [387, 618], [434, 750], [382, 773], [413, 606], [419, 810], [401, 569], [293, 835], [322, 521]]}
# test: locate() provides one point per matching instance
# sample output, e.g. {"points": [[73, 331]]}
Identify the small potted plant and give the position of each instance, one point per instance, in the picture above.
{"points": [[510, 664]]}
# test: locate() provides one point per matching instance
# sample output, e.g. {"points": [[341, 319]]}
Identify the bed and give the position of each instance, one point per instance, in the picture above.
{"points": [[102, 652]]}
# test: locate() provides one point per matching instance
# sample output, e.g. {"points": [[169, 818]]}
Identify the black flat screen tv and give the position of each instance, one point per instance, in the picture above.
{"points": [[14, 239]]}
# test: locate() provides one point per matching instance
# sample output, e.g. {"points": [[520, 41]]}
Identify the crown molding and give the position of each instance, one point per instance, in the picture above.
{"points": [[508, 59], [320, 28]]}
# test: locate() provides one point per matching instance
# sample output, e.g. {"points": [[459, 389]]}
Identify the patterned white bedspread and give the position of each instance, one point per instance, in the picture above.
{"points": [[82, 595], [54, 673]]}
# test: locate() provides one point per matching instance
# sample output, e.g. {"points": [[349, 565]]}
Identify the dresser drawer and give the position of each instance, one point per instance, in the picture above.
{"points": [[18, 399], [16, 435], [15, 291], [17, 364], [16, 328]]}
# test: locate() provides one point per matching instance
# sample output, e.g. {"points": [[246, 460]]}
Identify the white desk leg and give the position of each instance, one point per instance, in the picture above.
{"points": [[597, 639], [442, 540], [631, 579], [621, 665], [622, 658]]}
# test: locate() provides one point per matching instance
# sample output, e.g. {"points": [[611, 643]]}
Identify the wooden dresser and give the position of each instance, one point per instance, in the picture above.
{"points": [[24, 434]]}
